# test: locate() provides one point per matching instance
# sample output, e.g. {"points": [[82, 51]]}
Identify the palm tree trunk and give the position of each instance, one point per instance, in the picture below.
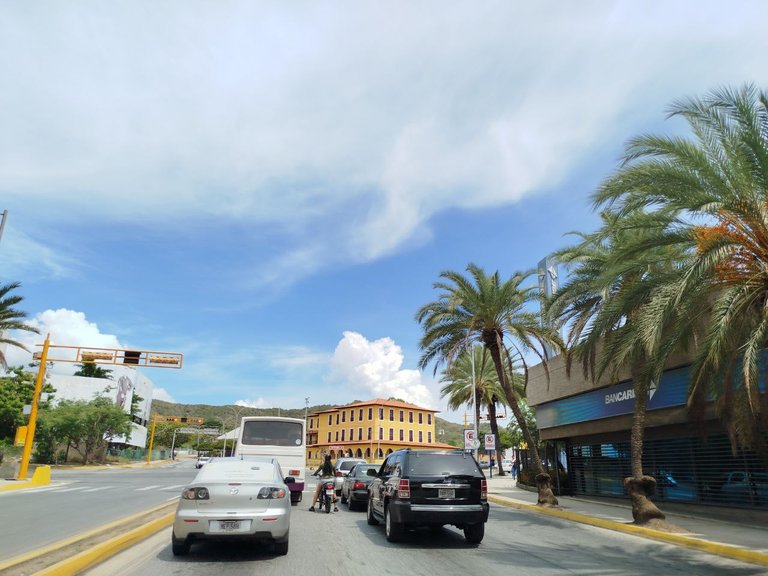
{"points": [[639, 486], [495, 430], [543, 480]]}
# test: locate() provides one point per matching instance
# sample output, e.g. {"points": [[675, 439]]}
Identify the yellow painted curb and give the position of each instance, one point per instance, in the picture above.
{"points": [[41, 477], [76, 564], [75, 539], [717, 548]]}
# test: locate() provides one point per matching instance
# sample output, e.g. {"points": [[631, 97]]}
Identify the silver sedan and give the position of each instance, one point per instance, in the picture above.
{"points": [[234, 499]]}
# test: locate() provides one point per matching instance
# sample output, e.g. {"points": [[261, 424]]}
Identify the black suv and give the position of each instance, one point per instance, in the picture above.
{"points": [[429, 488]]}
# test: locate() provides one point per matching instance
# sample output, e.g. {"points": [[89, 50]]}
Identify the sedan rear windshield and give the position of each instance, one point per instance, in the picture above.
{"points": [[347, 464], [442, 465]]}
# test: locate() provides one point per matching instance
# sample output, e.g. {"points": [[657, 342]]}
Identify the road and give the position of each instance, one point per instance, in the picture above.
{"points": [[80, 500], [517, 543]]}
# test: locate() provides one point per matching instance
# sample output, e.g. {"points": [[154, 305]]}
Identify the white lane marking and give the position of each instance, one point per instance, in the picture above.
{"points": [[148, 488], [99, 488], [75, 489], [174, 487]]}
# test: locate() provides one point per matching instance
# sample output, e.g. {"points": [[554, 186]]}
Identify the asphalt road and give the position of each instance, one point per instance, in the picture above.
{"points": [[516, 543], [80, 500]]}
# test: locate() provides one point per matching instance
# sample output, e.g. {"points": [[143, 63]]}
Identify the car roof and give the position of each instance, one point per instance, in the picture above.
{"points": [[245, 470]]}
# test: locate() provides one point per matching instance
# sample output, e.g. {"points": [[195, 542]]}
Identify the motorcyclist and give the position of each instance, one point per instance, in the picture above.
{"points": [[326, 470]]}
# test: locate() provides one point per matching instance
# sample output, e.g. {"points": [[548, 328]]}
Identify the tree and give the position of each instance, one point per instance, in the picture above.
{"points": [[84, 426], [483, 309], [15, 392], [616, 285], [11, 319], [718, 182], [488, 390], [92, 370]]}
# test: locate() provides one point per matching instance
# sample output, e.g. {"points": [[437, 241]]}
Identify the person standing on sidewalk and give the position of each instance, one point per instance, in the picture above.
{"points": [[514, 470]]}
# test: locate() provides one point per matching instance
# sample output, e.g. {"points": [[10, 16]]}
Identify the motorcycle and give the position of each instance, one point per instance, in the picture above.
{"points": [[327, 494]]}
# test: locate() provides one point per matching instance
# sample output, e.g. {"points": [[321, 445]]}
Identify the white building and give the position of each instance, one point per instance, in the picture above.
{"points": [[124, 383]]}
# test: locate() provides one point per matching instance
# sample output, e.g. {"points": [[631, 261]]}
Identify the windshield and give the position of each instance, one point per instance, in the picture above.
{"points": [[347, 464]]}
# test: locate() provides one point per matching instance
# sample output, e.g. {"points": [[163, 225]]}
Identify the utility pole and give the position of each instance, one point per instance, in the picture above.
{"points": [[2, 222]]}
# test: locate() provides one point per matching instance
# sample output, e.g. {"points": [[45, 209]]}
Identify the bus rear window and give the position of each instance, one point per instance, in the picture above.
{"points": [[258, 433]]}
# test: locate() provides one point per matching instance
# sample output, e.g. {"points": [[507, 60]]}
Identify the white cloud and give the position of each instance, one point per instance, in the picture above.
{"points": [[258, 403], [375, 369], [66, 328], [162, 394], [345, 127]]}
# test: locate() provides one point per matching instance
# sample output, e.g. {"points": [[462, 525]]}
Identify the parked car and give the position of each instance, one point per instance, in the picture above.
{"points": [[429, 488], [740, 487], [343, 466], [506, 465], [202, 461], [354, 489], [234, 499]]}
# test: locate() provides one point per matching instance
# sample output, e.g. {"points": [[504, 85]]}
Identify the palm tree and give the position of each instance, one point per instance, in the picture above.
{"points": [[11, 319], [488, 391], [615, 286], [481, 308], [92, 370], [717, 181]]}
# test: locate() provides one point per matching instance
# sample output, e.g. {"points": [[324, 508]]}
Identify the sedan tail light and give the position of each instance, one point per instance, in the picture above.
{"points": [[270, 492], [195, 494], [483, 489], [358, 486], [404, 489]]}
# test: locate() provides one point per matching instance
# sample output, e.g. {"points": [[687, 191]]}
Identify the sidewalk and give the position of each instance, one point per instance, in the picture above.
{"points": [[735, 533]]}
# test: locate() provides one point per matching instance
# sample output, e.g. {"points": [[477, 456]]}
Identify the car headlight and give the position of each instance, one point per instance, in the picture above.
{"points": [[195, 494], [271, 492]]}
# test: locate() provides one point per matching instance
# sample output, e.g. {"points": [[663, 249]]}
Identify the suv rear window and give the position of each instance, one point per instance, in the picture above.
{"points": [[442, 464]]}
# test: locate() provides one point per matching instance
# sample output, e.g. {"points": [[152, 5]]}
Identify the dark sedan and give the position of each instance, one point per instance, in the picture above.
{"points": [[354, 489]]}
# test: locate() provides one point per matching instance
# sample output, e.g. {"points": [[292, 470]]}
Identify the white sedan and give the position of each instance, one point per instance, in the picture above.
{"points": [[234, 499]]}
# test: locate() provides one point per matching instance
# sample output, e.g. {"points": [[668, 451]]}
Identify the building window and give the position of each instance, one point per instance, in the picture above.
{"points": [[421, 438], [343, 416], [370, 433], [360, 434], [342, 435], [421, 417], [381, 413], [361, 415], [391, 434], [402, 435], [391, 415], [351, 415], [410, 417], [370, 413], [337, 419], [429, 437], [330, 419], [329, 437], [410, 435], [401, 416], [381, 433], [429, 419], [337, 435], [351, 434]]}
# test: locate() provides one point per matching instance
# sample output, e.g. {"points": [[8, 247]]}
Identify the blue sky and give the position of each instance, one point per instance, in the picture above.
{"points": [[272, 188]]}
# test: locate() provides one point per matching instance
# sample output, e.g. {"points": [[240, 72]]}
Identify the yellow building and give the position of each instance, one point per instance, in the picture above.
{"points": [[370, 430]]}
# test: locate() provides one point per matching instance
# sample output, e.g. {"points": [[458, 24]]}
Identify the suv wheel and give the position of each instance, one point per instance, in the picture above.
{"points": [[394, 530], [473, 533], [372, 520]]}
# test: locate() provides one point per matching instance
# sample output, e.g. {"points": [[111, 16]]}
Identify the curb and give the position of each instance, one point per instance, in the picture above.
{"points": [[40, 477], [719, 549], [96, 555], [102, 550]]}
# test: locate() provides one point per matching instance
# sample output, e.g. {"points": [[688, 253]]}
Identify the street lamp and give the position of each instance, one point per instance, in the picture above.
{"points": [[236, 416]]}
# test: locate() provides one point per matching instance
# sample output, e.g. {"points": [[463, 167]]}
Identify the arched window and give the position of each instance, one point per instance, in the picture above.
{"points": [[389, 451], [368, 452], [359, 453]]}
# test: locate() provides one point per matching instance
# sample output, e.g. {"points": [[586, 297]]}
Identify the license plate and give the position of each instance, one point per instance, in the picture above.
{"points": [[446, 493], [330, 491], [229, 525]]}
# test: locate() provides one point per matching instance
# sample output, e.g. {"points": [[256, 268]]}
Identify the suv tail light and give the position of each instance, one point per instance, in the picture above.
{"points": [[483, 489], [404, 489]]}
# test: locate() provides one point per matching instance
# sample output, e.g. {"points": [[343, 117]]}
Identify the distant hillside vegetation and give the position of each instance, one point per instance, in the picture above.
{"points": [[452, 433]]}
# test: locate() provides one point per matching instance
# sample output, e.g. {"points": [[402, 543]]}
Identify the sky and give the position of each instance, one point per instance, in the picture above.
{"points": [[272, 188]]}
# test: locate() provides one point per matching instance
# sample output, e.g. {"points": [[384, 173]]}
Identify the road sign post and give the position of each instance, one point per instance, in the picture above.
{"points": [[490, 447]]}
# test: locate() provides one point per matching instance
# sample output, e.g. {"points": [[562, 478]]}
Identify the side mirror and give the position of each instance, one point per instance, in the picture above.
{"points": [[290, 480]]}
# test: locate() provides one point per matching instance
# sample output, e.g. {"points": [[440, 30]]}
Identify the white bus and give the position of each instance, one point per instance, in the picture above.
{"points": [[281, 438]]}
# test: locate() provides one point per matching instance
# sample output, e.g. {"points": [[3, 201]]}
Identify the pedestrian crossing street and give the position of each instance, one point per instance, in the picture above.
{"points": [[90, 488]]}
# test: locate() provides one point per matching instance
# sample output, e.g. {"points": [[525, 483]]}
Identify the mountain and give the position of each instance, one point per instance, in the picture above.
{"points": [[445, 431]]}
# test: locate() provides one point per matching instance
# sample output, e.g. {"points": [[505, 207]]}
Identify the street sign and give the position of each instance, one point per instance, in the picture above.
{"points": [[470, 442], [490, 442]]}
